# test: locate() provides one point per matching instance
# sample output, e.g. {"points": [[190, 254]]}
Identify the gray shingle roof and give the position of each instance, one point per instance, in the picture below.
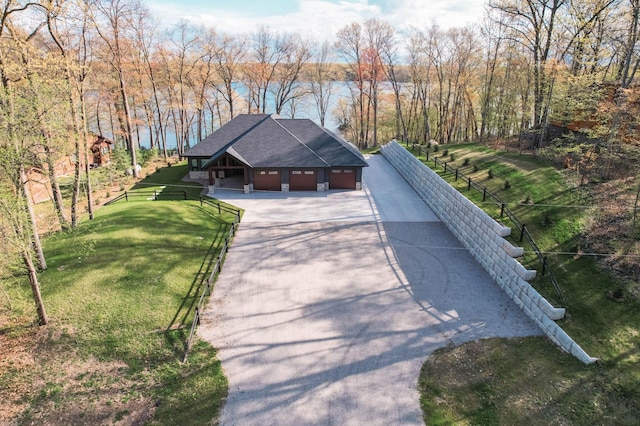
{"points": [[261, 140]]}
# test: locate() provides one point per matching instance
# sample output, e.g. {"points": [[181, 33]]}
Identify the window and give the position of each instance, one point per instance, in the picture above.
{"points": [[296, 172], [308, 172]]}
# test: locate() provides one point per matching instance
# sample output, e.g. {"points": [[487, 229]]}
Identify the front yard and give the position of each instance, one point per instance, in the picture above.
{"points": [[120, 292]]}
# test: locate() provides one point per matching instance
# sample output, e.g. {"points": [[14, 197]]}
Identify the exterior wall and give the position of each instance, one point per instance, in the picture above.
{"points": [[195, 164], [484, 238], [195, 174]]}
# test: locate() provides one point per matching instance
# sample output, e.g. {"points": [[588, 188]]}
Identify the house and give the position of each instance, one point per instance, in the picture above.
{"points": [[100, 148], [270, 153]]}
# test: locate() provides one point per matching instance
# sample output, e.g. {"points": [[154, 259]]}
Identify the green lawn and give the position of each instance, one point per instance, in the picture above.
{"points": [[120, 292], [529, 381]]}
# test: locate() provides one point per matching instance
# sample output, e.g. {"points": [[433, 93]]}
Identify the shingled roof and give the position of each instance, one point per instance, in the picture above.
{"points": [[262, 140]]}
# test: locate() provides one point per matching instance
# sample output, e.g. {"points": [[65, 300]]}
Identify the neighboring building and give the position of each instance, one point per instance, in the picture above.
{"points": [[38, 179], [100, 148], [277, 154]]}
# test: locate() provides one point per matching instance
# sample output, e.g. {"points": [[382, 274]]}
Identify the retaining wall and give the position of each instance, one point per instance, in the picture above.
{"points": [[484, 238]]}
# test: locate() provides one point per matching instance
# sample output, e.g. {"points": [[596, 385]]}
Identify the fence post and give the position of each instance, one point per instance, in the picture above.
{"points": [[544, 265], [522, 232], [469, 184], [201, 203], [445, 166], [435, 161], [155, 195], [218, 208], [501, 209], [427, 154], [185, 194], [456, 174], [484, 194], [126, 196]]}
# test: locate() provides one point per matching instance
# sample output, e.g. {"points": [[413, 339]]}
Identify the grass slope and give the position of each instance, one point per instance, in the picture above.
{"points": [[120, 291], [529, 381]]}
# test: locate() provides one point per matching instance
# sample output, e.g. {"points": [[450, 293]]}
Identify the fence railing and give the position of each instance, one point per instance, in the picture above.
{"points": [[156, 195], [186, 195], [505, 211], [206, 291]]}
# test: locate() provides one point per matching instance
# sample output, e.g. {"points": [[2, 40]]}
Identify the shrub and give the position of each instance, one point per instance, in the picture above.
{"points": [[489, 174], [145, 155], [507, 184], [435, 148], [453, 157], [475, 168], [445, 153], [466, 162]]}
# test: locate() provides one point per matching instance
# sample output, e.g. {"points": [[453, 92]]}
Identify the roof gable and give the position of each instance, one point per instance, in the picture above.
{"points": [[331, 147], [218, 141], [261, 140]]}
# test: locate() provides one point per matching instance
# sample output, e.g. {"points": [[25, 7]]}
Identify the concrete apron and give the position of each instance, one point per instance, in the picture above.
{"points": [[328, 304]]}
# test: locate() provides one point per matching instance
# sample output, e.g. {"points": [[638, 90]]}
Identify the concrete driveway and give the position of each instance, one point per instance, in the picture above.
{"points": [[329, 303]]}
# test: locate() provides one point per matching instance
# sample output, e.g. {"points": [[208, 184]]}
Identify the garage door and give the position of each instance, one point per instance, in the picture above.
{"points": [[342, 179], [266, 180], [302, 180]]}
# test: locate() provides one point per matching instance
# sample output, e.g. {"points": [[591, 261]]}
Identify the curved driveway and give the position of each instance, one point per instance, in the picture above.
{"points": [[329, 303]]}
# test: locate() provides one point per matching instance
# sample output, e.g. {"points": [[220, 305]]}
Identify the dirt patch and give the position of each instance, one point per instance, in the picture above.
{"points": [[613, 232], [44, 380], [16, 357]]}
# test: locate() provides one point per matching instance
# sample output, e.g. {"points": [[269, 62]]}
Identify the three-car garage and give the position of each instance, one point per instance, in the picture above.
{"points": [[277, 154]]}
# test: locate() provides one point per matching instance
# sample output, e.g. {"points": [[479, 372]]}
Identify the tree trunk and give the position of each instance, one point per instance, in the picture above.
{"points": [[43, 319], [55, 188], [129, 125], [37, 245]]}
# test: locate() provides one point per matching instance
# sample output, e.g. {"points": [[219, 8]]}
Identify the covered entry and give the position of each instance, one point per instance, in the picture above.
{"points": [[342, 178], [266, 180], [302, 180]]}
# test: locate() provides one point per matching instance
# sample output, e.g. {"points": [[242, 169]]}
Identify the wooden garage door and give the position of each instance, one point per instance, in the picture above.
{"points": [[342, 179], [266, 180], [302, 180]]}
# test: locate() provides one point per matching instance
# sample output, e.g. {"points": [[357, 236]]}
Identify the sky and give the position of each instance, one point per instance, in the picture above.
{"points": [[320, 19]]}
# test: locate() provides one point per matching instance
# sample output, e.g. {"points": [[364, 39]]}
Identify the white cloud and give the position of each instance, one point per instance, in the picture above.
{"points": [[321, 19]]}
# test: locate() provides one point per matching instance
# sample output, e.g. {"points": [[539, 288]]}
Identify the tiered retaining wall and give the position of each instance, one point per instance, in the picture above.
{"points": [[484, 238]]}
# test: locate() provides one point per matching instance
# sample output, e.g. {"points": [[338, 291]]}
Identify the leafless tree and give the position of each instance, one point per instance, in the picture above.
{"points": [[113, 21], [321, 80], [229, 55]]}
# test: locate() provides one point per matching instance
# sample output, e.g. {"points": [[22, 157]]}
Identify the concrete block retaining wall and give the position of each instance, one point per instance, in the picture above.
{"points": [[484, 238]]}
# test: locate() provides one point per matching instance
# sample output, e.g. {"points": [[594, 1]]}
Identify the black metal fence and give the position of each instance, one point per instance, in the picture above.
{"points": [[155, 195], [524, 234], [206, 292]]}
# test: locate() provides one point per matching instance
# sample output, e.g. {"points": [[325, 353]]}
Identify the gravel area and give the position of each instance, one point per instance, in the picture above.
{"points": [[329, 304]]}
